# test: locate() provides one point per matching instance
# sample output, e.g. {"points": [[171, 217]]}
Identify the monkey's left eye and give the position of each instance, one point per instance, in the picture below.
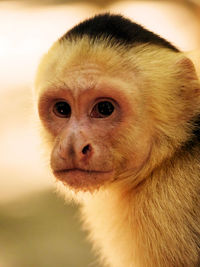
{"points": [[102, 109], [62, 109]]}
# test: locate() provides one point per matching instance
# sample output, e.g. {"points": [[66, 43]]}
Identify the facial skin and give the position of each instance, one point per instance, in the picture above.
{"points": [[88, 120]]}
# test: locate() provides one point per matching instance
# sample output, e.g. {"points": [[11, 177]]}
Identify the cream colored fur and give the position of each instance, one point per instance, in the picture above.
{"points": [[151, 219]]}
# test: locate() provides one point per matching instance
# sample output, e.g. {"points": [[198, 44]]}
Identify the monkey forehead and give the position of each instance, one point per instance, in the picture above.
{"points": [[81, 65]]}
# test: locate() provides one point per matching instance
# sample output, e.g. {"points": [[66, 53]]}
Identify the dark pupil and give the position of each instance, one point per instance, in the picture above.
{"points": [[63, 109], [105, 108]]}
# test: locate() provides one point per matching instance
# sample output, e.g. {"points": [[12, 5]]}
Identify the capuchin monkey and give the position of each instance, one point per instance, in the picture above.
{"points": [[120, 110]]}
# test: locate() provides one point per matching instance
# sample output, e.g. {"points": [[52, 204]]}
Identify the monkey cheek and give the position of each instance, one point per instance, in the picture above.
{"points": [[82, 180]]}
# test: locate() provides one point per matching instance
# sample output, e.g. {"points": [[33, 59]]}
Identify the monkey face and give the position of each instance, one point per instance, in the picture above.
{"points": [[82, 155], [92, 118]]}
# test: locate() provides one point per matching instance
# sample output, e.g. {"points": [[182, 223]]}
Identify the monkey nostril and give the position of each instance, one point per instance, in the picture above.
{"points": [[86, 149]]}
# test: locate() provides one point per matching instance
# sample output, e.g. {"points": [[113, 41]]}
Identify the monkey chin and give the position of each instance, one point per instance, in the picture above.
{"points": [[84, 180]]}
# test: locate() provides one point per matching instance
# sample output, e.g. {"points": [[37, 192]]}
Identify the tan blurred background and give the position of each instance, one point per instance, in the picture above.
{"points": [[36, 227]]}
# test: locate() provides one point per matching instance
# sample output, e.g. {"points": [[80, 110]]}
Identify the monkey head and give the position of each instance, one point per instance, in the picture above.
{"points": [[103, 103]]}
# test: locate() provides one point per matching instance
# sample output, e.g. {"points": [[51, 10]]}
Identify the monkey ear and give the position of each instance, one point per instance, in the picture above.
{"points": [[192, 61], [189, 75]]}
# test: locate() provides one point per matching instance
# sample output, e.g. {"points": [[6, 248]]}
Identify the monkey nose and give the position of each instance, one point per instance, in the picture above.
{"points": [[87, 150], [77, 151]]}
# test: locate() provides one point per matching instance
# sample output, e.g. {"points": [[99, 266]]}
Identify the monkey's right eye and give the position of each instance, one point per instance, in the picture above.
{"points": [[62, 109]]}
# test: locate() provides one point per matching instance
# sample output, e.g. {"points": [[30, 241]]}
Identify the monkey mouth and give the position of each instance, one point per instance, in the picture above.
{"points": [[83, 179]]}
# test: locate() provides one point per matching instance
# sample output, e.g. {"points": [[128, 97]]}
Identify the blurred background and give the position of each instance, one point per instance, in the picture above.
{"points": [[36, 227]]}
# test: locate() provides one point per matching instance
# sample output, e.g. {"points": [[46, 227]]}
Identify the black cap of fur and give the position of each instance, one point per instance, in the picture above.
{"points": [[122, 31]]}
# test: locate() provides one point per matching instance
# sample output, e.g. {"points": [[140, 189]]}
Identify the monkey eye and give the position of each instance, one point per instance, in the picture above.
{"points": [[102, 109], [62, 109]]}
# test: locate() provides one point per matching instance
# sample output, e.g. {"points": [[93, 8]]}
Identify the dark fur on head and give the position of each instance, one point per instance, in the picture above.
{"points": [[121, 30]]}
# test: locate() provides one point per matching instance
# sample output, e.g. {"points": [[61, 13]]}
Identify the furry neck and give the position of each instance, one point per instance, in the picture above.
{"points": [[153, 225]]}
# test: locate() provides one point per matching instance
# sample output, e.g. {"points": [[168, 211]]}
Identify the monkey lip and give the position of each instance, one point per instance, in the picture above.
{"points": [[80, 170], [83, 179], [77, 171]]}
